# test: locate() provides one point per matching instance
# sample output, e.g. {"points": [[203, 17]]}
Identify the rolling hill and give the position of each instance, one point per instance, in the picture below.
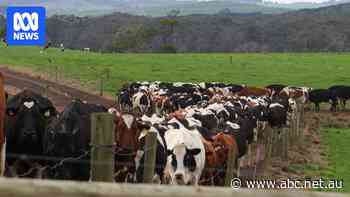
{"points": [[163, 7], [322, 29], [144, 7]]}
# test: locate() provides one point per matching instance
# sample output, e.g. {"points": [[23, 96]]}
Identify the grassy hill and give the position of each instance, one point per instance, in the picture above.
{"points": [[318, 30], [307, 69]]}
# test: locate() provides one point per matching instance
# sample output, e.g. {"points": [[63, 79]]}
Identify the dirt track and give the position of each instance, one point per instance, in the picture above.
{"points": [[59, 94]]}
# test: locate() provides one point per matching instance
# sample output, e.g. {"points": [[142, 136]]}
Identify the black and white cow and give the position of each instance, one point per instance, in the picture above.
{"points": [[186, 156]]}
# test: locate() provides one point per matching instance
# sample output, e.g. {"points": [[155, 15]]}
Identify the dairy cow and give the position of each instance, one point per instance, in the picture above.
{"points": [[186, 156], [68, 136], [27, 115]]}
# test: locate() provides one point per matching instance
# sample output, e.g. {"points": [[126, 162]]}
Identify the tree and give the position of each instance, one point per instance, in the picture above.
{"points": [[169, 23]]}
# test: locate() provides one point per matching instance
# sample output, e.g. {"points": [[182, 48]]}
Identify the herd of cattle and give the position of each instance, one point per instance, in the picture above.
{"points": [[197, 125]]}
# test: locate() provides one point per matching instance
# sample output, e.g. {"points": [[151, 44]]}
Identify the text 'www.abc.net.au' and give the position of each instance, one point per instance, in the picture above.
{"points": [[321, 183]]}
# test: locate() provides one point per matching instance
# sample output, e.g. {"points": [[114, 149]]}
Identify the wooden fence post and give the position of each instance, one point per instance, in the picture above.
{"points": [[102, 147], [150, 157], [231, 167], [101, 86], [56, 73], [46, 91], [297, 125], [285, 142], [301, 122], [269, 140], [275, 142], [293, 130]]}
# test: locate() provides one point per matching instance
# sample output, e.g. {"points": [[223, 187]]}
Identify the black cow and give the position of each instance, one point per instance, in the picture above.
{"points": [[68, 137], [209, 121], [124, 99], [240, 132], [341, 93], [277, 116], [318, 96], [28, 114]]}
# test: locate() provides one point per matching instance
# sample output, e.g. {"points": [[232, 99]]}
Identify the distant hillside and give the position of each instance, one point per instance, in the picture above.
{"points": [[2, 11], [213, 7], [298, 6], [145, 7], [323, 29]]}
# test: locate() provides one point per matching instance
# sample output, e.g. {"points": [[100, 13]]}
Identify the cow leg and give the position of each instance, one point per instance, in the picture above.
{"points": [[39, 172], [257, 158], [156, 179], [12, 171], [249, 158], [238, 167]]}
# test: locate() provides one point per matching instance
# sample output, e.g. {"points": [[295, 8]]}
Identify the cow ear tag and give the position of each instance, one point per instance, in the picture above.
{"points": [[47, 113], [29, 105], [11, 113]]}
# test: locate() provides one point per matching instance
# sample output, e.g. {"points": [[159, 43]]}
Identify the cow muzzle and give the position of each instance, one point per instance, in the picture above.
{"points": [[32, 134], [179, 179]]}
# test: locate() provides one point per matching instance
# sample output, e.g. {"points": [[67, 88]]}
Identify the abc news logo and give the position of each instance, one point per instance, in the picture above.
{"points": [[26, 25]]}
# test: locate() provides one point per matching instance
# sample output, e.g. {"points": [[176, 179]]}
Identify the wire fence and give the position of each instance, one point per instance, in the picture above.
{"points": [[275, 142], [90, 78]]}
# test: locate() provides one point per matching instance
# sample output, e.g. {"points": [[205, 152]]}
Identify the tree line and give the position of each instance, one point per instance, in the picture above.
{"points": [[315, 30]]}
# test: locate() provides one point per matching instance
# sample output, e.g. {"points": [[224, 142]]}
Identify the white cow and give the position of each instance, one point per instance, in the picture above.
{"points": [[186, 156]]}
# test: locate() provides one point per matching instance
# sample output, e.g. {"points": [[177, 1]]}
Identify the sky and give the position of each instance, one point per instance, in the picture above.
{"points": [[296, 1]]}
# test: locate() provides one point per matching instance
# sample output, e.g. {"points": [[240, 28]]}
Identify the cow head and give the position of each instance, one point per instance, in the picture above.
{"points": [[28, 114], [182, 164], [127, 130], [69, 136], [222, 144]]}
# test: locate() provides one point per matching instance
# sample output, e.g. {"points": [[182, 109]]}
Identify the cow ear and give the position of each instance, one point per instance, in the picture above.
{"points": [[194, 151]]}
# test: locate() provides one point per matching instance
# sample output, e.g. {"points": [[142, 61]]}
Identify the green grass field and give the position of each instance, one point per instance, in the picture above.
{"points": [[303, 69], [318, 70], [337, 146]]}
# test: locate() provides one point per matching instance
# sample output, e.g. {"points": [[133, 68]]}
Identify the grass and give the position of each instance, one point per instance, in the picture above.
{"points": [[336, 151], [318, 70], [337, 146], [258, 69]]}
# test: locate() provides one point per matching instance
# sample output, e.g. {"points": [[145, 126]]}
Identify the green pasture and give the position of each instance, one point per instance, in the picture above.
{"points": [[258, 69]]}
